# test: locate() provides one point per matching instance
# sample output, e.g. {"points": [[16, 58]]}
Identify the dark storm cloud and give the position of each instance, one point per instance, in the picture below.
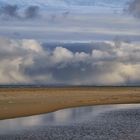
{"points": [[32, 12], [14, 11], [134, 8], [9, 10]]}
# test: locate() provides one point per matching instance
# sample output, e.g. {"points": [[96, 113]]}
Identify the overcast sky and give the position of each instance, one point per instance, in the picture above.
{"points": [[92, 42]]}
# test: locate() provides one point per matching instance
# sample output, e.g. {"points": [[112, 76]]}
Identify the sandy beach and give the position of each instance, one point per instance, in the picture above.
{"points": [[19, 102]]}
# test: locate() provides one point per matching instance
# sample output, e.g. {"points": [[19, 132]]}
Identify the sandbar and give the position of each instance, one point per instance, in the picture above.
{"points": [[26, 101]]}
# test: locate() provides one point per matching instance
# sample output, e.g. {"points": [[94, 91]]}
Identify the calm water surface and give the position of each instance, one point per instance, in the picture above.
{"points": [[66, 117]]}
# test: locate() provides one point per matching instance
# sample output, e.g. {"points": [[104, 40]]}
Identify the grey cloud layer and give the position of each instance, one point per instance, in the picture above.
{"points": [[32, 12], [28, 12], [25, 61], [134, 8], [9, 10], [13, 11]]}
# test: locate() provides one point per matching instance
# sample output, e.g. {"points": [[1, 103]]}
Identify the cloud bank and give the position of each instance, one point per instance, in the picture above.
{"points": [[27, 62]]}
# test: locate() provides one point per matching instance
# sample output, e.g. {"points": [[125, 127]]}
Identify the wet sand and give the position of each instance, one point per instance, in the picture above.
{"points": [[19, 102]]}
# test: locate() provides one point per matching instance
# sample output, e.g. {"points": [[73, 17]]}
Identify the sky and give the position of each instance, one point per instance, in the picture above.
{"points": [[70, 42]]}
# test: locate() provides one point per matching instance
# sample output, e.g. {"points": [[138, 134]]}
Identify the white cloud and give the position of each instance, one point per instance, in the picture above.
{"points": [[14, 56], [25, 61], [99, 54], [81, 57], [32, 45], [61, 54]]}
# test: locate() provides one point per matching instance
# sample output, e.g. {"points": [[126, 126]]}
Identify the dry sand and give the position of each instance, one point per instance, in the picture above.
{"points": [[18, 102]]}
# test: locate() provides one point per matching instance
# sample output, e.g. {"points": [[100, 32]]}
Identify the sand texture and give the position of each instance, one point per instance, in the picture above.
{"points": [[18, 102]]}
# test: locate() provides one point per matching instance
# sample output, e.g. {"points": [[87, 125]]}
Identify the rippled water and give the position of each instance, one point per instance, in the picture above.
{"points": [[87, 120]]}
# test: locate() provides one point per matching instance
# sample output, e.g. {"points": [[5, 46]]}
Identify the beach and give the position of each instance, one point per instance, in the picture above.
{"points": [[19, 102]]}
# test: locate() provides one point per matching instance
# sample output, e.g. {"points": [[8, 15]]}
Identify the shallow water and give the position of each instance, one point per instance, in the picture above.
{"points": [[83, 122]]}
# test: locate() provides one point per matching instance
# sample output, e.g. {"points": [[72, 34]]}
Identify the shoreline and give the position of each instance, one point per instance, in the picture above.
{"points": [[21, 102], [107, 125]]}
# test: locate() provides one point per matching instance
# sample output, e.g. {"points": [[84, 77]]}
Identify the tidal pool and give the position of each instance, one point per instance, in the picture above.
{"points": [[94, 122]]}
